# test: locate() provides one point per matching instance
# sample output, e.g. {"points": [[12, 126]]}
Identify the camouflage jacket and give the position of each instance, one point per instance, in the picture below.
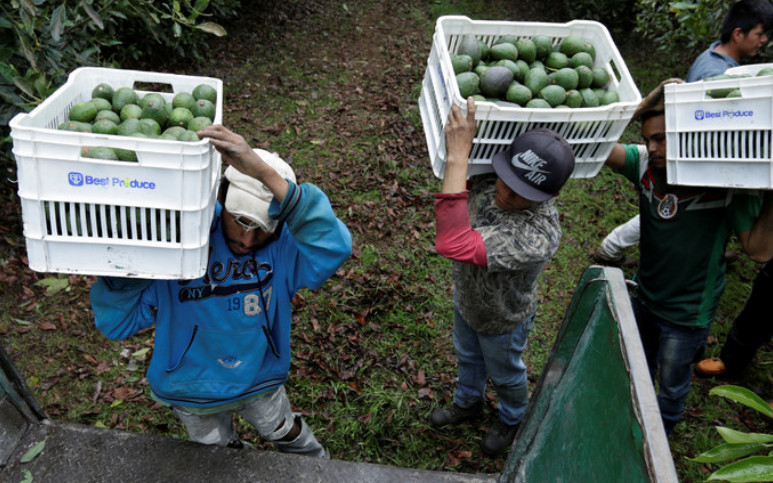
{"points": [[497, 298]]}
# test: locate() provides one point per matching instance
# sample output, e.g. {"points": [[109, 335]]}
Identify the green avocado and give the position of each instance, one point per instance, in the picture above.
{"points": [[460, 63], [503, 51], [553, 94], [519, 94], [536, 79], [470, 47], [527, 51], [468, 84], [124, 96], [567, 78], [83, 112]]}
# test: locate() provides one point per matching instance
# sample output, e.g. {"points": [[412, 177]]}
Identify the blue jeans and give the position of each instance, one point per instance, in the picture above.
{"points": [[672, 349], [498, 356]]}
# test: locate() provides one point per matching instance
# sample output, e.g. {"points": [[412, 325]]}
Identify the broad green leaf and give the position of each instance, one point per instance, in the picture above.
{"points": [[53, 285], [55, 25], [27, 51], [41, 86], [756, 468], [24, 86], [743, 396], [212, 27], [116, 402], [33, 451], [93, 14], [5, 23], [733, 436], [27, 476], [30, 7], [8, 71], [100, 424], [725, 452], [22, 322], [198, 9], [141, 352], [177, 30], [683, 5]]}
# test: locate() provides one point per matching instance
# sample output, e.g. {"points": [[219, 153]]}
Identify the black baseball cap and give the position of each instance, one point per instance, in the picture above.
{"points": [[536, 165]]}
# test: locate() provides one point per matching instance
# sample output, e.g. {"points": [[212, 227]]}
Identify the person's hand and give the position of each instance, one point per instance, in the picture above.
{"points": [[237, 153], [460, 131], [233, 147]]}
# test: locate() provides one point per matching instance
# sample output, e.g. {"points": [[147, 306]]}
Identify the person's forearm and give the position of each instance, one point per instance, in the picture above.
{"points": [[268, 176], [455, 177], [758, 242]]}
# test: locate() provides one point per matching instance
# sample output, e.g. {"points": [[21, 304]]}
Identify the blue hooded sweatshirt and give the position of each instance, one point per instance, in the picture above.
{"points": [[226, 336]]}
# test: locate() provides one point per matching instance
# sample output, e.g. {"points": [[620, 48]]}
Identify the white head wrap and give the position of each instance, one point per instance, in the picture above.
{"points": [[248, 197]]}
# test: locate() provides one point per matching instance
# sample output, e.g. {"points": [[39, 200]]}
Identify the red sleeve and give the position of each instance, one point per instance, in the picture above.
{"points": [[455, 237]]}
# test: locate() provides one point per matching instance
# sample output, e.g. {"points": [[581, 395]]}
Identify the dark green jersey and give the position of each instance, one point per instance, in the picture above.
{"points": [[684, 233]]}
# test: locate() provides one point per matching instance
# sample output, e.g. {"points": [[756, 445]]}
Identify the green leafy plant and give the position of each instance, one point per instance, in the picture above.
{"points": [[42, 40], [683, 28], [618, 16], [741, 445]]}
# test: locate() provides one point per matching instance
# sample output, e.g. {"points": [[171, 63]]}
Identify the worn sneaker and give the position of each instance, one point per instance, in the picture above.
{"points": [[454, 414], [710, 367], [499, 438]]}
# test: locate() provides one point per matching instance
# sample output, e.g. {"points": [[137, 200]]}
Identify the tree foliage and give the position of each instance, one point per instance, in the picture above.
{"points": [[616, 15], [682, 28], [41, 41]]}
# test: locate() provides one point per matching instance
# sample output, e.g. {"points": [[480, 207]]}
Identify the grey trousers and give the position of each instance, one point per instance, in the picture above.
{"points": [[271, 415]]}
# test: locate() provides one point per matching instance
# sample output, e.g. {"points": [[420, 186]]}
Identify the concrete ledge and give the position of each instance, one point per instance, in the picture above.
{"points": [[88, 454]]}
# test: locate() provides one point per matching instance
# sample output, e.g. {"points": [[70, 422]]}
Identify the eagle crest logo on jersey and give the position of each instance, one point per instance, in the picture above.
{"points": [[668, 206]]}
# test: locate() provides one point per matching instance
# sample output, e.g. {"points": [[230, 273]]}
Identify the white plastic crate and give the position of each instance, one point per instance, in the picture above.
{"points": [[148, 219], [592, 132], [722, 142]]}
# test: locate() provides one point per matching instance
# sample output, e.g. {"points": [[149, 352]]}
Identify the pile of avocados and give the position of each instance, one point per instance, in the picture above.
{"points": [[730, 92], [122, 112], [532, 72]]}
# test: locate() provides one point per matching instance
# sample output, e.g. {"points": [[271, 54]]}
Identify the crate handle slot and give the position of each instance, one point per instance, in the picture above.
{"points": [[615, 71], [160, 87]]}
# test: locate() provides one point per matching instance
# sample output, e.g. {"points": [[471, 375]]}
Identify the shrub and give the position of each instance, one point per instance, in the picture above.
{"points": [[618, 16], [679, 31], [42, 41], [741, 446]]}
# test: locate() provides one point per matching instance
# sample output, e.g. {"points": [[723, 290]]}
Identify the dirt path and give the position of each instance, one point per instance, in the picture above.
{"points": [[353, 71]]}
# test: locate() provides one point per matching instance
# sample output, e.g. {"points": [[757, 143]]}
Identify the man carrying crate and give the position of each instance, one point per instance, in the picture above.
{"points": [[222, 342], [752, 328], [684, 232], [499, 234], [742, 35]]}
